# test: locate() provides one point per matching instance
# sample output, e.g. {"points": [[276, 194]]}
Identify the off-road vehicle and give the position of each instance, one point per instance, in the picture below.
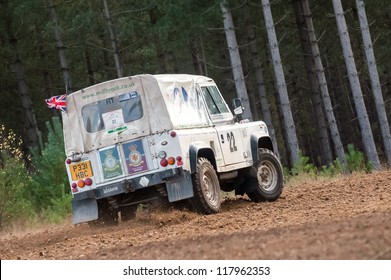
{"points": [[134, 139]]}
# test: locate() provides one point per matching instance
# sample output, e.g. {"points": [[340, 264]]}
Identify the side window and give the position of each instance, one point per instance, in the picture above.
{"points": [[120, 109], [214, 101]]}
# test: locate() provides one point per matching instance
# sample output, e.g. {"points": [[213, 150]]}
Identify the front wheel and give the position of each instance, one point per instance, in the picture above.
{"points": [[207, 197], [266, 182]]}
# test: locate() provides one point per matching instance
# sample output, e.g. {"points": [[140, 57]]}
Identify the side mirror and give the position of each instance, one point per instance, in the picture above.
{"points": [[237, 106], [238, 111]]}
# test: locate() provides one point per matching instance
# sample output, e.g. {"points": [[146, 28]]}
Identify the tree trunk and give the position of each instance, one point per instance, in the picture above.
{"points": [[305, 27], [235, 59], [204, 65], [318, 82], [267, 117], [48, 82], [375, 81], [113, 39], [90, 71], [47, 78], [195, 55], [60, 47], [106, 61], [30, 123], [289, 125], [366, 132]]}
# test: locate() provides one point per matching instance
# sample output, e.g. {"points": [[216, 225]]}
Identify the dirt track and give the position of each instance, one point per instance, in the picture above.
{"points": [[344, 218]]}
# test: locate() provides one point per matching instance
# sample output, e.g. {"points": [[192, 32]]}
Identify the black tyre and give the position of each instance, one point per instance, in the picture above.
{"points": [[106, 215], [207, 196], [128, 213], [266, 182]]}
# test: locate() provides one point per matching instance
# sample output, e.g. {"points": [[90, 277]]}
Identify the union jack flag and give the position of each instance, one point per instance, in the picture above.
{"points": [[59, 102]]}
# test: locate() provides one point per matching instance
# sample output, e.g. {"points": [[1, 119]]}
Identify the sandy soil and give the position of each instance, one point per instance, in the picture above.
{"points": [[342, 218]]}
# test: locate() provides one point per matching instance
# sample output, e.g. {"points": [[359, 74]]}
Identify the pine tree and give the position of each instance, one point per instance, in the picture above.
{"points": [[289, 125], [375, 81], [50, 182], [29, 120], [236, 63], [317, 76], [366, 132], [113, 39], [60, 47]]}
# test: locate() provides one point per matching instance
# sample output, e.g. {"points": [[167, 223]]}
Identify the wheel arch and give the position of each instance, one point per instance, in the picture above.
{"points": [[198, 150], [260, 141]]}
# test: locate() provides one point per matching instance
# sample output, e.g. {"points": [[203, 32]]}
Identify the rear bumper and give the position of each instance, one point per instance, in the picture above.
{"points": [[178, 186], [129, 185]]}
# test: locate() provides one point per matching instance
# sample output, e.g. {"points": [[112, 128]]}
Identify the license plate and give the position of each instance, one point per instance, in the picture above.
{"points": [[81, 170]]}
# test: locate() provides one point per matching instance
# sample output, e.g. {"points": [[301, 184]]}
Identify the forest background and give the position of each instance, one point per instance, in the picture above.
{"points": [[49, 47]]}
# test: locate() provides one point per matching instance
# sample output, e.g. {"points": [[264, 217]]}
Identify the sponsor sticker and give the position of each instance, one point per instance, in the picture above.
{"points": [[135, 157], [111, 163]]}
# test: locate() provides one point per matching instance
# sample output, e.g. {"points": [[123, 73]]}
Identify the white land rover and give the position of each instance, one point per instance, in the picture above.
{"points": [[134, 139]]}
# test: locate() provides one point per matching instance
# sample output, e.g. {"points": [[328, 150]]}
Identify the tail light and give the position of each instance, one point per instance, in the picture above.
{"points": [[179, 161], [82, 183], [88, 182], [171, 160], [163, 162], [73, 158]]}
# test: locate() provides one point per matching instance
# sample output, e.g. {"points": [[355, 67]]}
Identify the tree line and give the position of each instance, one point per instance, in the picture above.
{"points": [[317, 72]]}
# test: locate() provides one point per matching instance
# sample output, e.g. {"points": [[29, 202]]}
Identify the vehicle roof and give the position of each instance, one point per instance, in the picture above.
{"points": [[182, 78], [158, 77], [174, 106]]}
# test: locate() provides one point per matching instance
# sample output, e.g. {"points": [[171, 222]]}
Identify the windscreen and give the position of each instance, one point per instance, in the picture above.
{"points": [[214, 101]]}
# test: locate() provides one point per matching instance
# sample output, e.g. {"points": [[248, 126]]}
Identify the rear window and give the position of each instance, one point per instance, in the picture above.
{"points": [[112, 112]]}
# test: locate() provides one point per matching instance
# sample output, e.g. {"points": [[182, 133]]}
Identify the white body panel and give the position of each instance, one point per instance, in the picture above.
{"points": [[178, 115]]}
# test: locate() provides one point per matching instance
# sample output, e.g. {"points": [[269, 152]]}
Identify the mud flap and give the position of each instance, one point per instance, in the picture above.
{"points": [[179, 187], [84, 210]]}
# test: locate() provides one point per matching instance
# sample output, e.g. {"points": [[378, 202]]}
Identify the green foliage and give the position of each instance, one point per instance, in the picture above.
{"points": [[44, 193], [49, 186], [332, 170], [14, 181], [355, 160], [59, 209], [303, 166], [14, 200]]}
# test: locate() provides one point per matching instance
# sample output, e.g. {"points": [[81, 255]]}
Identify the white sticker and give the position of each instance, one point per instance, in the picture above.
{"points": [[113, 119], [144, 181]]}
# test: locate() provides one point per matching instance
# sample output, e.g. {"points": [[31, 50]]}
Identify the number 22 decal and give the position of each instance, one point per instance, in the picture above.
{"points": [[232, 143]]}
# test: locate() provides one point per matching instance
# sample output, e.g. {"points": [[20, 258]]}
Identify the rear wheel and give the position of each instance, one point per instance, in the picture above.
{"points": [[207, 196], [106, 215], [128, 213], [266, 182]]}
